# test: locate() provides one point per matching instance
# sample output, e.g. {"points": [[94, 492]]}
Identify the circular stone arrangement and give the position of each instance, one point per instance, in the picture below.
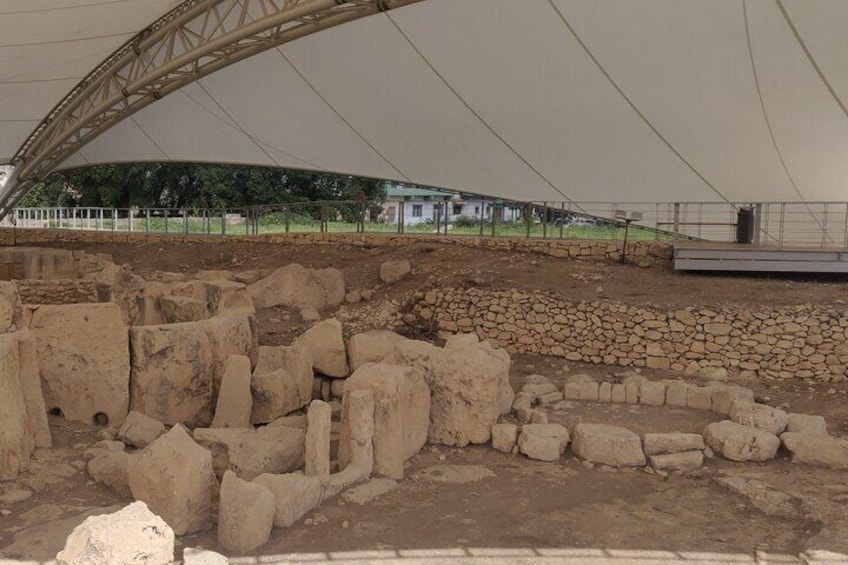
{"points": [[752, 431]]}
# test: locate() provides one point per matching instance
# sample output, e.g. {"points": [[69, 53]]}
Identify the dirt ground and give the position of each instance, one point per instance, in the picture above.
{"points": [[527, 504]]}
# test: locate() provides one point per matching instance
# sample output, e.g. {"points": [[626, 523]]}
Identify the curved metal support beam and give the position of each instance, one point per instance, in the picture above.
{"points": [[194, 40]]}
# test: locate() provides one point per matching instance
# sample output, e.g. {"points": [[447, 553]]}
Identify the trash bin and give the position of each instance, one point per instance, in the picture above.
{"points": [[745, 225]]}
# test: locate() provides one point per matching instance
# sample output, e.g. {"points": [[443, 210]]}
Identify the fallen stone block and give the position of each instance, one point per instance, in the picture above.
{"points": [[723, 395], [245, 514], [195, 556], [324, 341], [229, 297], [537, 386], [250, 453], [235, 402], [584, 390], [294, 495], [760, 416], [84, 358], [371, 347], [393, 271], [131, 536], [174, 477], [607, 445], [543, 442], [112, 470], [233, 333], [807, 424], [683, 461], [139, 430], [658, 444], [296, 286], [819, 450], [504, 437], [740, 443], [401, 414]]}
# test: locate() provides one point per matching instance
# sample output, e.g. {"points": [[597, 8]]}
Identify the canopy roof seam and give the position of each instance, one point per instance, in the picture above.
{"points": [[347, 122], [63, 41], [476, 114], [56, 8], [632, 104], [803, 44], [149, 137]]}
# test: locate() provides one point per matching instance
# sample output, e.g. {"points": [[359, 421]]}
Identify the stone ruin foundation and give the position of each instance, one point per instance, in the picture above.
{"points": [[202, 427]]}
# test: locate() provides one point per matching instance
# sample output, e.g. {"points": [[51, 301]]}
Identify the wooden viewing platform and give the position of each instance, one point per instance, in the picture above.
{"points": [[738, 257]]}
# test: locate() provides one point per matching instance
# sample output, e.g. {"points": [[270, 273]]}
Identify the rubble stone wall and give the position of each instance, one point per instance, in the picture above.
{"points": [[793, 342], [60, 291], [643, 253]]}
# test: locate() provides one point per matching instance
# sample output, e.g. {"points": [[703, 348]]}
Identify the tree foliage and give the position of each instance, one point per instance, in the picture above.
{"points": [[192, 186]]}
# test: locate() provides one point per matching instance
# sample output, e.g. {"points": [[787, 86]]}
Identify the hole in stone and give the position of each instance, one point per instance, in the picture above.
{"points": [[56, 411], [101, 419]]}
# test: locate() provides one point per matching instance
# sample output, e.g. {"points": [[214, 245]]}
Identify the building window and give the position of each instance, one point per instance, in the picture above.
{"points": [[457, 209], [476, 210], [417, 210]]}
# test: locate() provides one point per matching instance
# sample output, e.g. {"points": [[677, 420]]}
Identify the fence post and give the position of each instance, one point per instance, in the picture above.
{"points": [[166, 220], [782, 221], [223, 221], [758, 218], [528, 217], [544, 220], [114, 219], [675, 234], [287, 212], [561, 218], [185, 222], [147, 220], [824, 226]]}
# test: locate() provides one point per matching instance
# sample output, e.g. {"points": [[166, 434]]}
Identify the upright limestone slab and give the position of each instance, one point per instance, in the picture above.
{"points": [[318, 439], [234, 400], [83, 355], [172, 373], [16, 445], [245, 515]]}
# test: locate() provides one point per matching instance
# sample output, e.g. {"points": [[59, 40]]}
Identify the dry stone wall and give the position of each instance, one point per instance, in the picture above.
{"points": [[59, 291], [797, 342], [643, 253]]}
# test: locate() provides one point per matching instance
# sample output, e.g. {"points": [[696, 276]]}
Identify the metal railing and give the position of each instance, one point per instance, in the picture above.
{"points": [[818, 224]]}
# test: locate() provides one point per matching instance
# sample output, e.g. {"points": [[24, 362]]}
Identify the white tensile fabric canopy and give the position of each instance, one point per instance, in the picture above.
{"points": [[583, 100]]}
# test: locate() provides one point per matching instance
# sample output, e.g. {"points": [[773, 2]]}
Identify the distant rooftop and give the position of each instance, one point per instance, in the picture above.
{"points": [[394, 191]]}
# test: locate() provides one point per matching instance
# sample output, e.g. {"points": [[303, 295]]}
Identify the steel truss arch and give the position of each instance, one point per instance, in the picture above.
{"points": [[194, 40]]}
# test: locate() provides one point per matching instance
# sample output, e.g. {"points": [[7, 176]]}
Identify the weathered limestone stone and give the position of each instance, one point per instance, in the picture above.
{"points": [[176, 309], [139, 430], [172, 373], [229, 297], [504, 437], [458, 341], [699, 398], [282, 382], [817, 449], [83, 355], [605, 392], [676, 393], [723, 396], [759, 416], [230, 334], [584, 390], [250, 453], [659, 444], [245, 514], [310, 314], [174, 476], [632, 385], [544, 442], [324, 341], [337, 388], [470, 387], [538, 417], [740, 443], [234, 399], [194, 556], [10, 307], [607, 445], [30, 377], [112, 469], [369, 491], [454, 474], [360, 420], [131, 536], [402, 414], [807, 424], [213, 275], [393, 271], [294, 495], [713, 373], [296, 286], [371, 347], [318, 439], [16, 445], [652, 393], [618, 395], [683, 461]]}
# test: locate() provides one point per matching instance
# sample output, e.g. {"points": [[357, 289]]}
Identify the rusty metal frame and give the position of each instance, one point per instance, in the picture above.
{"points": [[194, 40]]}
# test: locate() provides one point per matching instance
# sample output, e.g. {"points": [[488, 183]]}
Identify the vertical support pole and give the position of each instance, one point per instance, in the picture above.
{"points": [[185, 222], [247, 221], [492, 217], [166, 220], [223, 221], [845, 229], [544, 220], [99, 219], [448, 210], [824, 226], [675, 234], [114, 219], [147, 220], [400, 217], [323, 216], [782, 222], [480, 217], [287, 215], [561, 218], [130, 219], [528, 217], [758, 219]]}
